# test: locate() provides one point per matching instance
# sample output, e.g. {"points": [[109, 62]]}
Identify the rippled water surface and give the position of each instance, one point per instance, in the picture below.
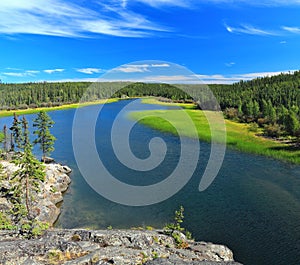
{"points": [[253, 206]]}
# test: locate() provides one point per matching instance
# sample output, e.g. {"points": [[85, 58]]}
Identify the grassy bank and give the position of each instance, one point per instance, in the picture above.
{"points": [[238, 135], [153, 100], [6, 113]]}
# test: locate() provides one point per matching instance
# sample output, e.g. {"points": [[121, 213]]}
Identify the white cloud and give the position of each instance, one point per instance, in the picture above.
{"points": [[159, 3], [51, 71], [170, 78], [32, 72], [249, 29], [67, 19], [295, 30], [21, 73], [264, 3], [230, 64], [124, 3], [160, 65], [180, 79], [193, 3], [132, 69], [139, 68], [63, 18], [90, 71], [228, 79], [14, 74]]}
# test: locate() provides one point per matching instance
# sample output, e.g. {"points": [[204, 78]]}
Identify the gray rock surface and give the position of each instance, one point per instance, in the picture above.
{"points": [[44, 207], [132, 247], [174, 262]]}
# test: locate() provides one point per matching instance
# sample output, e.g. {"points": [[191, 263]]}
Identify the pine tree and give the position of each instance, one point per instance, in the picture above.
{"points": [[16, 130], [256, 109], [292, 124], [31, 171], [5, 144], [45, 139]]}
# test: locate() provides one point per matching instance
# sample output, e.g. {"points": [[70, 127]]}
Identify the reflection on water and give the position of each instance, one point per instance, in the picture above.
{"points": [[253, 206]]}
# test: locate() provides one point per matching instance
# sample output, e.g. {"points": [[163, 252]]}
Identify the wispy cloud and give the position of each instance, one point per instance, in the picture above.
{"points": [[139, 68], [264, 3], [51, 71], [295, 30], [21, 73], [273, 2], [14, 74], [90, 71], [249, 29], [228, 79], [230, 64], [159, 3], [63, 18], [178, 78]]}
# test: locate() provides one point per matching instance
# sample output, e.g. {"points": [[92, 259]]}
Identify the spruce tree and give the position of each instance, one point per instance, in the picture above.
{"points": [[31, 171], [16, 130], [5, 147], [45, 139], [292, 124]]}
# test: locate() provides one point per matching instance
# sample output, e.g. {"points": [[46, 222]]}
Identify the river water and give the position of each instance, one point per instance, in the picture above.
{"points": [[253, 205]]}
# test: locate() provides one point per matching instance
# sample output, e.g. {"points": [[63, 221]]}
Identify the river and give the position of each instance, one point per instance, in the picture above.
{"points": [[253, 205]]}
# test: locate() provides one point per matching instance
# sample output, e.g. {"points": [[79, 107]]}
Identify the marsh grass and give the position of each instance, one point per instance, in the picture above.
{"points": [[239, 137]]}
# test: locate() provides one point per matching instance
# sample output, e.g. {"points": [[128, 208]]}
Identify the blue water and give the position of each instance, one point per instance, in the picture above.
{"points": [[253, 206]]}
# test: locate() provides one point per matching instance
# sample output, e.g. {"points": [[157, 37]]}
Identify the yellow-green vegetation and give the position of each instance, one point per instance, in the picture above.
{"points": [[239, 136], [6, 113], [176, 230], [5, 222], [56, 256], [153, 100]]}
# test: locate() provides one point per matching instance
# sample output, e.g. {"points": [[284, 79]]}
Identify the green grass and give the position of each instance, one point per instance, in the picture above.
{"points": [[238, 135], [153, 100], [6, 113]]}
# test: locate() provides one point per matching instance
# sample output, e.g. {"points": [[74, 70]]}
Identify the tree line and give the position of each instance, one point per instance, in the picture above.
{"points": [[271, 103], [33, 95]]}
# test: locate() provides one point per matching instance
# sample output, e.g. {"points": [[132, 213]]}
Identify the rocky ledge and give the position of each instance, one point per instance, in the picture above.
{"points": [[132, 247], [44, 207]]}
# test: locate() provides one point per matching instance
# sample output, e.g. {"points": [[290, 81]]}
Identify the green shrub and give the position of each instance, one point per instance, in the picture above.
{"points": [[175, 229], [253, 127], [273, 130]]}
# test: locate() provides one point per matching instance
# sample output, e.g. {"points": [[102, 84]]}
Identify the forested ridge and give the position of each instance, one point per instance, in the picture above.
{"points": [[32, 95], [270, 102]]}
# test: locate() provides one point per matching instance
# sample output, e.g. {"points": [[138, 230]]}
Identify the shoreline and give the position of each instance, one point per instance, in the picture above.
{"points": [[46, 207], [238, 135], [121, 247], [8, 113]]}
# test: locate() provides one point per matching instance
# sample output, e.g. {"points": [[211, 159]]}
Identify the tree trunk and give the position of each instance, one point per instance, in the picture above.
{"points": [[27, 195], [44, 155]]}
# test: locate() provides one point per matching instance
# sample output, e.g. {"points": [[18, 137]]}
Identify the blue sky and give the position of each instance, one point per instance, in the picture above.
{"points": [[221, 41]]}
